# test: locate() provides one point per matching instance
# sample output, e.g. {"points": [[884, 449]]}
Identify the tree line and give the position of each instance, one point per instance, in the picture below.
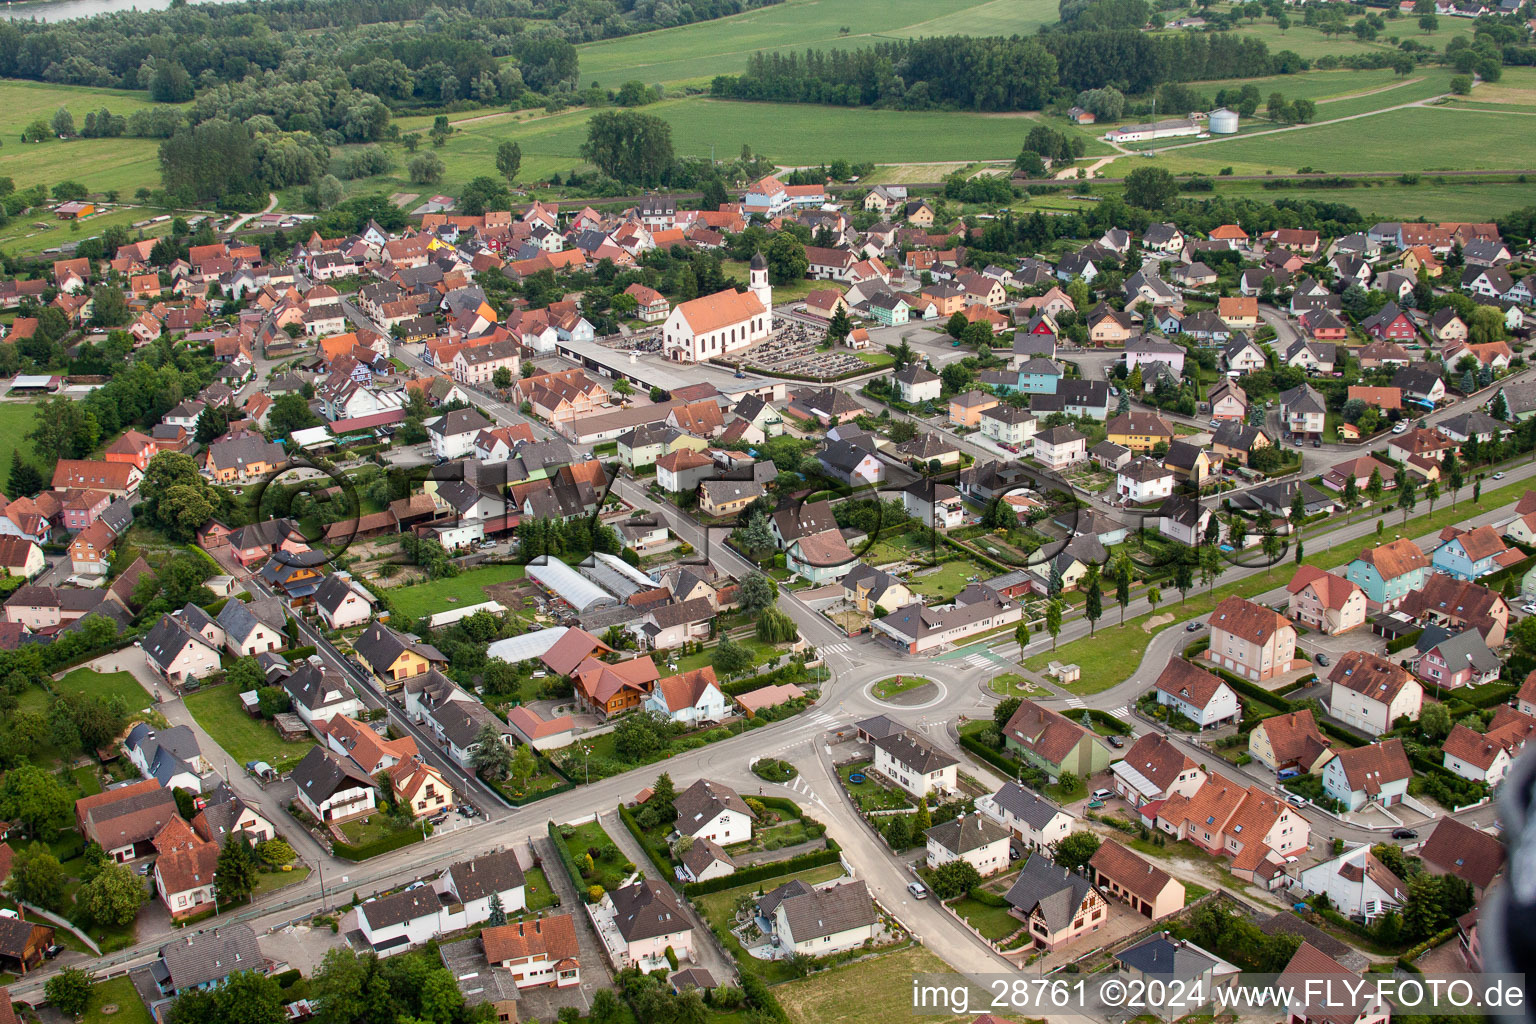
{"points": [[996, 73]]}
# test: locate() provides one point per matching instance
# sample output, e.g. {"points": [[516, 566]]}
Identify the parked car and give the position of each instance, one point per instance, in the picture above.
{"points": [[1194, 627], [1321, 659], [1116, 742], [918, 890], [1316, 443], [1297, 800], [1102, 794], [1400, 428], [1404, 833]]}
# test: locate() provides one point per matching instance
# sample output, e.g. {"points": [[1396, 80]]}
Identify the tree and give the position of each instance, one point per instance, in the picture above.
{"points": [[289, 412], [1428, 23], [426, 168], [509, 158], [502, 378], [63, 123], [1123, 583], [775, 627], [1431, 492], [1093, 604], [37, 878], [955, 878], [1005, 710], [275, 852], [786, 258], [69, 991], [1499, 407], [629, 146], [234, 876], [1407, 494], [1075, 851], [1151, 188], [1435, 721], [731, 657], [524, 764], [112, 899], [757, 592], [897, 832], [491, 758], [35, 800], [498, 912], [1183, 575], [1053, 620], [922, 821], [1373, 486]]}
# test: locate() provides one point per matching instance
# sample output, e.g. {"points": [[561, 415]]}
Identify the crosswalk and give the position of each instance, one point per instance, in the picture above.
{"points": [[977, 660], [800, 786], [1074, 702], [1121, 711], [836, 649]]}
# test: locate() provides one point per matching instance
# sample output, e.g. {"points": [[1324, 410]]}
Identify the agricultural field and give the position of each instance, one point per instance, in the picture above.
{"points": [[696, 53], [1504, 140]]}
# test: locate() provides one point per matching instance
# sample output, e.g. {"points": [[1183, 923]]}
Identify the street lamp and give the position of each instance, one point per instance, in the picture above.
{"points": [[586, 762]]}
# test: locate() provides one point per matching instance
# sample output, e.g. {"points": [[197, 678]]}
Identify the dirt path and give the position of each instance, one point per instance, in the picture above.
{"points": [[1370, 92]]}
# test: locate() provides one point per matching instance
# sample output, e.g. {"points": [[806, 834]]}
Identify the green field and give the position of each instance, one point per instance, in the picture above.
{"points": [[696, 53], [218, 710], [93, 684], [120, 995], [17, 419], [467, 588], [1439, 135]]}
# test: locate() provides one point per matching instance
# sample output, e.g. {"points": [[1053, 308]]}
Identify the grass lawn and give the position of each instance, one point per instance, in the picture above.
{"points": [[22, 238], [93, 684], [17, 419], [607, 869], [949, 579], [993, 922], [869, 794], [361, 831], [899, 684], [540, 893], [119, 994], [698, 52], [467, 588], [217, 709], [877, 989], [1192, 892], [1111, 655], [270, 881], [1011, 684]]}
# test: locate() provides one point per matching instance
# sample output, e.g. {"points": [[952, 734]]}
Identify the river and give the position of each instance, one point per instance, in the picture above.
{"points": [[61, 10]]}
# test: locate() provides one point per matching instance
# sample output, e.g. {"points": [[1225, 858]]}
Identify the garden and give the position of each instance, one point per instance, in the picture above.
{"points": [[595, 860], [219, 711], [774, 769], [868, 794]]}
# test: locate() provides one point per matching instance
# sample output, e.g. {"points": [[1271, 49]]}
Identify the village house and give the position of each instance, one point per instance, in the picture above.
{"points": [[1290, 742], [1058, 906], [1370, 693], [1251, 640], [1034, 822], [1323, 601], [1377, 773], [1147, 889], [914, 765], [973, 838], [1196, 694], [1389, 572], [1054, 743], [1153, 769]]}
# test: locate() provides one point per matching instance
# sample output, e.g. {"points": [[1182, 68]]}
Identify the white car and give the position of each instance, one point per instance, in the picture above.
{"points": [[1400, 428], [918, 890], [1529, 609], [1498, 476]]}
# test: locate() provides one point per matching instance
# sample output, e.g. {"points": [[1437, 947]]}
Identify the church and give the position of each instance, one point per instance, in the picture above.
{"points": [[725, 322]]}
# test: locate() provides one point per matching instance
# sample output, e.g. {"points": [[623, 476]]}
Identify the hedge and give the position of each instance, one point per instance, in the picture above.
{"points": [[1342, 735], [571, 870], [760, 996], [772, 869], [987, 754], [660, 859], [985, 898], [1488, 695], [1404, 642], [793, 672], [1105, 718], [1258, 693], [346, 851], [565, 786], [1414, 952]]}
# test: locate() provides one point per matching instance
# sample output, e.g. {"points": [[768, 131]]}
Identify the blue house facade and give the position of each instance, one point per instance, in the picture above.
{"points": [[1039, 377], [1473, 554], [1390, 572]]}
